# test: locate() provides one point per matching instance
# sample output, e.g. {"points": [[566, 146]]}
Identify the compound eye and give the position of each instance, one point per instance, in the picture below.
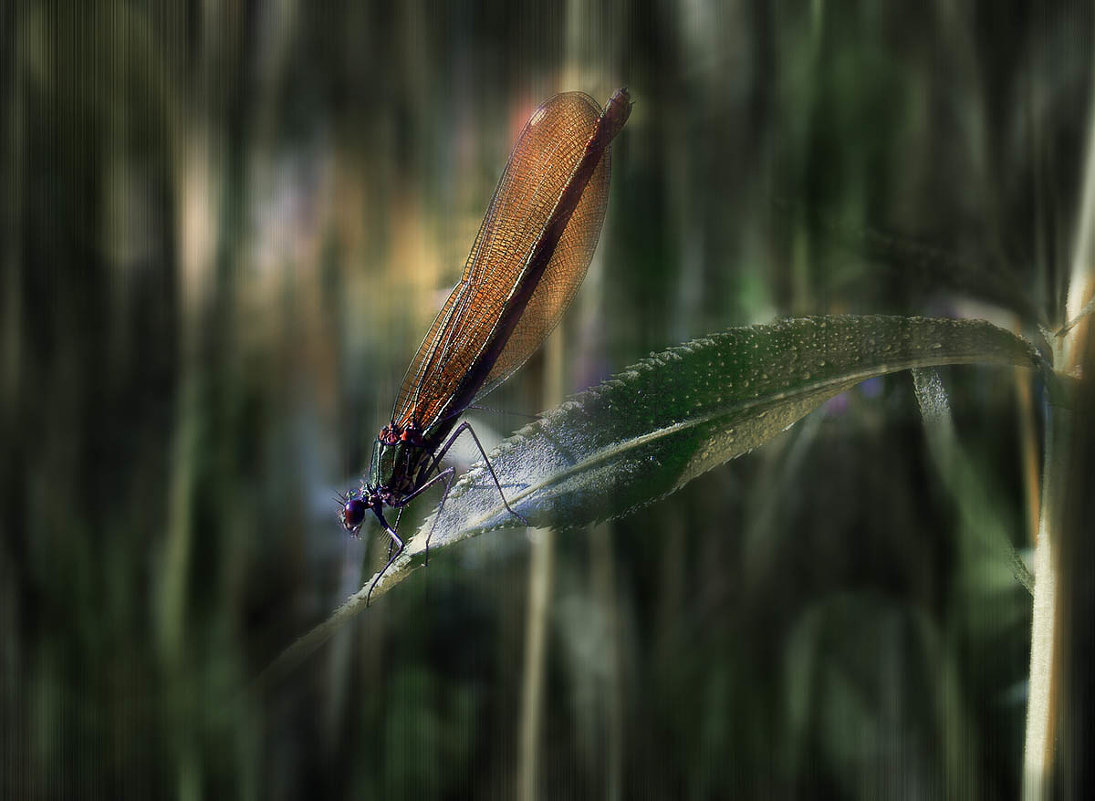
{"points": [[353, 514]]}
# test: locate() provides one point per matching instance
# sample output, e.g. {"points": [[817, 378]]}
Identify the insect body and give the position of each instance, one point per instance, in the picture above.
{"points": [[528, 259]]}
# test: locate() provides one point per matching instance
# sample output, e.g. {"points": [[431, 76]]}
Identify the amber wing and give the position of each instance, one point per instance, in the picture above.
{"points": [[546, 154]]}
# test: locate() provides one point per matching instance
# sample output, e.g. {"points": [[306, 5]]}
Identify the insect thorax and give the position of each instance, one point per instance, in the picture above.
{"points": [[401, 460]]}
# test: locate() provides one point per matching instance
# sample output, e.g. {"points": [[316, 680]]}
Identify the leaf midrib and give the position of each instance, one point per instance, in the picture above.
{"points": [[614, 450]]}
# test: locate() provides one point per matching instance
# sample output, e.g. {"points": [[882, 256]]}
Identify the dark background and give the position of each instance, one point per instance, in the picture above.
{"points": [[225, 228]]}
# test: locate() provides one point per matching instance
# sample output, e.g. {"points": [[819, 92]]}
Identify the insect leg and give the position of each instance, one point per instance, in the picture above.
{"points": [[446, 476], [399, 549], [439, 477], [391, 543], [460, 429]]}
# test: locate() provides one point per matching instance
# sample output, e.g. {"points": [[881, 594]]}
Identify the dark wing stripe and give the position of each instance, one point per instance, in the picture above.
{"points": [[531, 224], [528, 229], [465, 321], [560, 281]]}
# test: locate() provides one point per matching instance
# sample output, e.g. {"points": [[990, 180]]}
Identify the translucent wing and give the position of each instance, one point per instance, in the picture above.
{"points": [[563, 276], [464, 354]]}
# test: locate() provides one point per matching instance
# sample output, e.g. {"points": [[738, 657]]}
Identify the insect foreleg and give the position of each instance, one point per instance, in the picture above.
{"points": [[399, 549]]}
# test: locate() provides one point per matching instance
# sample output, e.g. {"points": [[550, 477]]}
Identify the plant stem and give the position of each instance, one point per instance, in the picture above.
{"points": [[541, 578], [1045, 632], [540, 581], [1046, 629]]}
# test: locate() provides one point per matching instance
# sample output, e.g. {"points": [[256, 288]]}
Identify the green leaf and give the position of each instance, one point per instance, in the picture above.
{"points": [[648, 431], [657, 425]]}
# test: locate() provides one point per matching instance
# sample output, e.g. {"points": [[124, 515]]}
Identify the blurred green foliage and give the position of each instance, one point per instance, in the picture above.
{"points": [[224, 229]]}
